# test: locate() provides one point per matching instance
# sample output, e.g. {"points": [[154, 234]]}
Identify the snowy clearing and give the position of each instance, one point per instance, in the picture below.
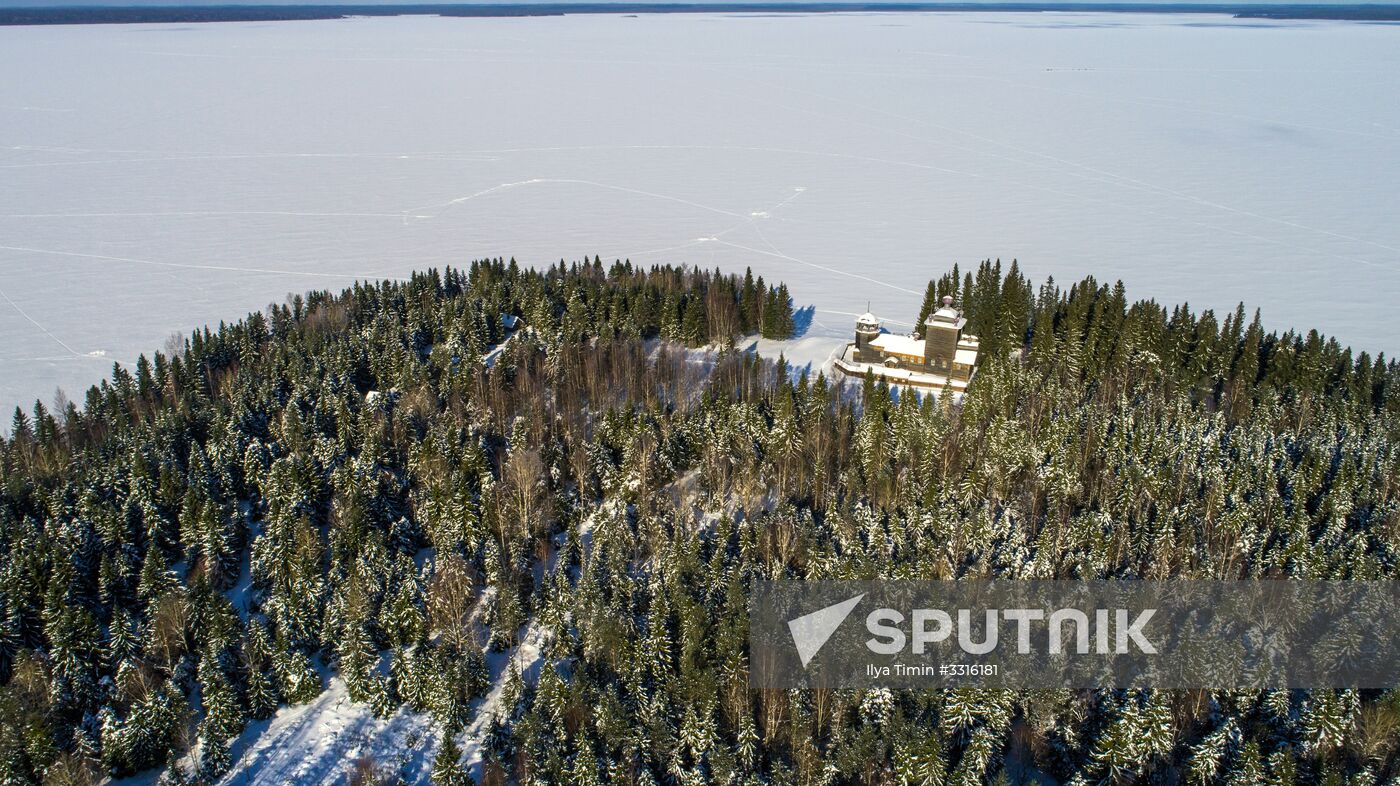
{"points": [[319, 744]]}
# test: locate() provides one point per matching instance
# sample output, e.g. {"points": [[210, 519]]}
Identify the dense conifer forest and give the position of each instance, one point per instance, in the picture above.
{"points": [[387, 483]]}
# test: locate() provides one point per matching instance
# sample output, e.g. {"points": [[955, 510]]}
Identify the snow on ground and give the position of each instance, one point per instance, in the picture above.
{"points": [[241, 594], [320, 742], [812, 354], [159, 177], [814, 348], [489, 359], [526, 657]]}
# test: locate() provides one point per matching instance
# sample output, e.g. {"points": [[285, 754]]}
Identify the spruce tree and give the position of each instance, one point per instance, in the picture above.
{"points": [[447, 767]]}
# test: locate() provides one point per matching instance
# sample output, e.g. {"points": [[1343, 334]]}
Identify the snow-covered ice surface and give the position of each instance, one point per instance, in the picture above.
{"points": [[157, 177]]}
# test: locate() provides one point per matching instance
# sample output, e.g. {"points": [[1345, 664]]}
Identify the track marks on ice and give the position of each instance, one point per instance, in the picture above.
{"points": [[575, 181], [45, 330], [828, 269], [191, 266]]}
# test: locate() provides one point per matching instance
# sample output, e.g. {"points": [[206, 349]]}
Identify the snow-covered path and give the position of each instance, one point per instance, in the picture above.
{"points": [[526, 657]]}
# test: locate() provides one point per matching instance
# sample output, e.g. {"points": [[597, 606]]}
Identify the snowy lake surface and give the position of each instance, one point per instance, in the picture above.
{"points": [[158, 177]]}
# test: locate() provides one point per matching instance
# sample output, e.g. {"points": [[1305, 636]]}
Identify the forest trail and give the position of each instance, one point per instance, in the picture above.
{"points": [[527, 658]]}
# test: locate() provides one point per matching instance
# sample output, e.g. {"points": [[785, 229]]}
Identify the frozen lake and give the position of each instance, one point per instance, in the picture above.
{"points": [[157, 177]]}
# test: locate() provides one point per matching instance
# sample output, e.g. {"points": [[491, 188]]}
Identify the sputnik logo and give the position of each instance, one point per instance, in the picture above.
{"points": [[811, 631]]}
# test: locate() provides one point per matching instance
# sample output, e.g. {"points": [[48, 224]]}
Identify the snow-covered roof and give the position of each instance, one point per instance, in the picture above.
{"points": [[898, 376], [945, 316], [867, 319], [898, 345], [967, 357]]}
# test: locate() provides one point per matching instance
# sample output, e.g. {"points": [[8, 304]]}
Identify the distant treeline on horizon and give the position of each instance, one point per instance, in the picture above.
{"points": [[97, 14]]}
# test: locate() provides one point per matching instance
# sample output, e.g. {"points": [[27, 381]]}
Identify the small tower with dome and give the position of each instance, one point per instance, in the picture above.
{"points": [[867, 330]]}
